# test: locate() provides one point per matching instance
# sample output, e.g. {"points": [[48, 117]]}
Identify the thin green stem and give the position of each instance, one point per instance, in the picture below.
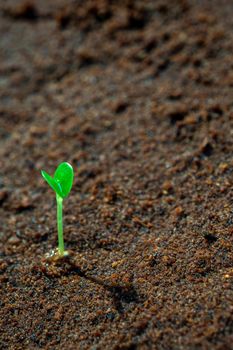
{"points": [[61, 248]]}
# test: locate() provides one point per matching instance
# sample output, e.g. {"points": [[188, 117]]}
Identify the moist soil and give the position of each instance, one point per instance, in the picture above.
{"points": [[137, 96]]}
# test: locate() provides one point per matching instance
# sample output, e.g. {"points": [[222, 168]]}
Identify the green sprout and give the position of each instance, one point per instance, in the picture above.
{"points": [[61, 183]]}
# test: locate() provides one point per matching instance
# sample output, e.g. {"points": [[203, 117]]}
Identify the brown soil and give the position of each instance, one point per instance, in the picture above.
{"points": [[137, 95]]}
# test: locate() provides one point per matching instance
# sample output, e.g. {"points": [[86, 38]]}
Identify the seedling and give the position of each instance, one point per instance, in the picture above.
{"points": [[61, 183]]}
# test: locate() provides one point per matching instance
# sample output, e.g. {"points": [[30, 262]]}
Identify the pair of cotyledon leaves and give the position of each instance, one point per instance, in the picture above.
{"points": [[62, 180]]}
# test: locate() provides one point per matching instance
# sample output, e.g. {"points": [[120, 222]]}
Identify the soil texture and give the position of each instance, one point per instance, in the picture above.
{"points": [[138, 97]]}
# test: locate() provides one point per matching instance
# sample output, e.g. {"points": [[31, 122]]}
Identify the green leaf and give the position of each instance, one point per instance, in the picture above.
{"points": [[64, 176], [52, 183]]}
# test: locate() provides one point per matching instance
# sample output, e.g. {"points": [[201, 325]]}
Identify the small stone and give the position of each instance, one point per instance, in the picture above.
{"points": [[166, 187], [178, 211], [14, 240]]}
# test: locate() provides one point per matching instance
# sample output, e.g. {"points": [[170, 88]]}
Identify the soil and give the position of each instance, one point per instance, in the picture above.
{"points": [[137, 96]]}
